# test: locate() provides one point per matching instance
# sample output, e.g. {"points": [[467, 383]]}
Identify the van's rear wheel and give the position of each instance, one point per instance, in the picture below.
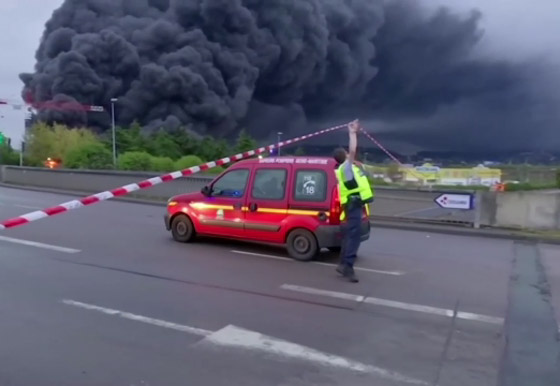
{"points": [[302, 245], [182, 229]]}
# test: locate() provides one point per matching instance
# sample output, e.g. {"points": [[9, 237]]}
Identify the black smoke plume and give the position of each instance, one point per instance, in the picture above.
{"points": [[216, 65]]}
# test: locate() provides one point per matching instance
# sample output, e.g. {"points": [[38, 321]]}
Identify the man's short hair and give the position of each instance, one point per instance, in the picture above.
{"points": [[339, 155]]}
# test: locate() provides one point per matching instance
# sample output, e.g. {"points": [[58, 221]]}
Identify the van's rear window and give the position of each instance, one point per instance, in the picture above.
{"points": [[311, 185]]}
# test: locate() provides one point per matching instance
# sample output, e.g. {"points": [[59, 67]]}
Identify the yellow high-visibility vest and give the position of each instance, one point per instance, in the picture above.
{"points": [[363, 188]]}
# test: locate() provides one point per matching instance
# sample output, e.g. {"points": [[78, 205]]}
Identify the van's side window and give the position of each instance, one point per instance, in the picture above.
{"points": [[270, 184], [311, 185], [231, 184]]}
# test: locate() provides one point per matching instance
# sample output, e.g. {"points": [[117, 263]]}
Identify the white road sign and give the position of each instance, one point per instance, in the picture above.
{"points": [[455, 201]]}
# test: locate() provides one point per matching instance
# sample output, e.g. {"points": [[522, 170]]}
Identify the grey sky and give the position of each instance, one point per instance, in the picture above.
{"points": [[514, 29]]}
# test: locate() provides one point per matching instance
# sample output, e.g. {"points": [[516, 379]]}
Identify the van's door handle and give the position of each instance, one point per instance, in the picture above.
{"points": [[237, 205], [253, 207]]}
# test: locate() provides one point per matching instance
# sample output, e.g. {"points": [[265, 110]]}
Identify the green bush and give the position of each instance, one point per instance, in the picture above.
{"points": [[187, 161], [162, 164], [558, 178], [216, 170], [8, 156], [89, 156], [135, 160], [244, 142], [162, 144], [43, 141]]}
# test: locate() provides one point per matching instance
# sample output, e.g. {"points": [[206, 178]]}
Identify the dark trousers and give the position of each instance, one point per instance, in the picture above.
{"points": [[351, 232]]}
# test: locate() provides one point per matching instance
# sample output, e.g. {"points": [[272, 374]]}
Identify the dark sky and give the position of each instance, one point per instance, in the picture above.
{"points": [[523, 33]]}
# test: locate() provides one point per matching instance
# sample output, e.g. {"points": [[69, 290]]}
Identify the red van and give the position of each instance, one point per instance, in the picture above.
{"points": [[291, 201]]}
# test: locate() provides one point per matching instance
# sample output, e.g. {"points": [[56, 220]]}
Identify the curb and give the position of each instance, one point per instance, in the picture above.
{"points": [[405, 225], [453, 230]]}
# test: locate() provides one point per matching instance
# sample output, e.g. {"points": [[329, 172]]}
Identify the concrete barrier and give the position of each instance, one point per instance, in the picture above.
{"points": [[390, 202], [87, 182], [524, 210]]}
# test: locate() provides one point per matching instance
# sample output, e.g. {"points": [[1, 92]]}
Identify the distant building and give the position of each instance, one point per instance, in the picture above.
{"points": [[428, 174]]}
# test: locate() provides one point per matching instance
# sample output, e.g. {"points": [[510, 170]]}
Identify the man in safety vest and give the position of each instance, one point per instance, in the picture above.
{"points": [[355, 194]]}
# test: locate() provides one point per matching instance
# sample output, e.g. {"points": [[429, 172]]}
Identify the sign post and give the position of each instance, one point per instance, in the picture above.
{"points": [[464, 201], [2, 141], [21, 153], [477, 209]]}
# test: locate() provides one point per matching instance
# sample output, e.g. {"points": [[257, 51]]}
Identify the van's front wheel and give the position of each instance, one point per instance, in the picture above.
{"points": [[302, 245], [182, 229]]}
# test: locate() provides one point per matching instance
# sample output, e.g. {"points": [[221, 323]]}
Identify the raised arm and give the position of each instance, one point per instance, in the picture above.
{"points": [[353, 128]]}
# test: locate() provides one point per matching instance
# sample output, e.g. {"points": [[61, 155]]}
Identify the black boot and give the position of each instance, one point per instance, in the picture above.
{"points": [[347, 272], [340, 269], [351, 276]]}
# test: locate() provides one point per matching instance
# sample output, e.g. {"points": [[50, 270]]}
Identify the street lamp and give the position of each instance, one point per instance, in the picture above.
{"points": [[113, 101], [279, 139]]}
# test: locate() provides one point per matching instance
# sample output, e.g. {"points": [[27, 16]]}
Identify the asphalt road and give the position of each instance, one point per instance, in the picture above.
{"points": [[102, 296]]}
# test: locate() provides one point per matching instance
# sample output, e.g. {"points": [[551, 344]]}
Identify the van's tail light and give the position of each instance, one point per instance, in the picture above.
{"points": [[336, 209]]}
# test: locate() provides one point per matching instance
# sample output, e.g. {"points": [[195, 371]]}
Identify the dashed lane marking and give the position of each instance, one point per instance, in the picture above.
{"points": [[139, 318], [39, 245], [394, 304], [273, 257]]}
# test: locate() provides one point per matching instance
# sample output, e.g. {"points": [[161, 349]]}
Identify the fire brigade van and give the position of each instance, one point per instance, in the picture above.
{"points": [[289, 201]]}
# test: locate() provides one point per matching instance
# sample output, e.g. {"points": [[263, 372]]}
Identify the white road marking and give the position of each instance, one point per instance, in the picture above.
{"points": [[261, 255], [273, 257], [479, 318], [39, 245], [395, 304], [139, 318], [320, 292], [232, 336]]}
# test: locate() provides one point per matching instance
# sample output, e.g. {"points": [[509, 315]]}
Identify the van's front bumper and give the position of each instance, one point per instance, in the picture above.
{"points": [[330, 236], [167, 221]]}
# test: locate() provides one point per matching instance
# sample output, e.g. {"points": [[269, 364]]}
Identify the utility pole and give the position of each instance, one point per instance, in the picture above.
{"points": [[21, 153], [279, 140], [113, 101], [2, 140]]}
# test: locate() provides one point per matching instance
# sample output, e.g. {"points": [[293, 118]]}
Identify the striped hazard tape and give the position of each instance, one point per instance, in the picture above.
{"points": [[124, 190], [389, 154]]}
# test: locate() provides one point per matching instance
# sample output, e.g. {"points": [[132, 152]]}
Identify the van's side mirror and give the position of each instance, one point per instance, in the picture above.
{"points": [[206, 191]]}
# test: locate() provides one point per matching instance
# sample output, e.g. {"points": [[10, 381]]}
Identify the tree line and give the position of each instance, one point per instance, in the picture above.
{"points": [[161, 151]]}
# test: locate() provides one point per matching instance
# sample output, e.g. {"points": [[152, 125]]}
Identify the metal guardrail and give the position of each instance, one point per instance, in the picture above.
{"points": [[415, 205]]}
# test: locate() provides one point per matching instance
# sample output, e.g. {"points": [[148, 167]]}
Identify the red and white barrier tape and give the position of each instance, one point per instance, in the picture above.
{"points": [[379, 145], [124, 190]]}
